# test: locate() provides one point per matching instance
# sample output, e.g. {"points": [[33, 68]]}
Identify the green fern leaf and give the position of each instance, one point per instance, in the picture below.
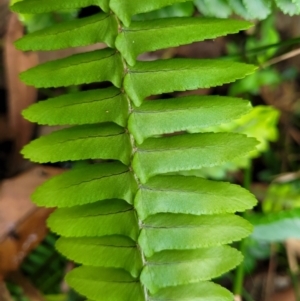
{"points": [[105, 284], [208, 8], [180, 75], [107, 251], [297, 3], [79, 32], [276, 226], [93, 106], [165, 194], [184, 113], [201, 291], [64, 72], [258, 9], [126, 9], [45, 6], [80, 143], [110, 217], [87, 185], [189, 151], [172, 268], [288, 7], [177, 232], [114, 217], [238, 7], [146, 36]]}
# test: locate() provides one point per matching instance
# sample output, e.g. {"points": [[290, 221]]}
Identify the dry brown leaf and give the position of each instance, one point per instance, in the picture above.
{"points": [[4, 293], [29, 290], [4, 15], [286, 295], [283, 96], [22, 224], [292, 246], [20, 96]]}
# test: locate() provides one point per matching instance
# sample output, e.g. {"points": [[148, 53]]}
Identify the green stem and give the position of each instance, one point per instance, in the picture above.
{"points": [[247, 296], [240, 272], [261, 49], [248, 176], [133, 146]]}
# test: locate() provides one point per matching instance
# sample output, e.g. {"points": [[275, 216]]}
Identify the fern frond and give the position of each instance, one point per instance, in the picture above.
{"points": [[249, 10], [140, 233]]}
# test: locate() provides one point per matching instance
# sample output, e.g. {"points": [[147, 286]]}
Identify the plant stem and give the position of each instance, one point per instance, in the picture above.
{"points": [[271, 271], [247, 296], [133, 146], [240, 272], [258, 50]]}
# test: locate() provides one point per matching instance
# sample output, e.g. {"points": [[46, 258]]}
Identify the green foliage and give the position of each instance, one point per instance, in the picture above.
{"points": [[170, 32], [45, 266], [140, 229], [180, 75], [276, 227], [282, 196], [79, 32], [63, 72], [179, 114], [215, 197], [260, 123], [88, 107], [254, 9]]}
